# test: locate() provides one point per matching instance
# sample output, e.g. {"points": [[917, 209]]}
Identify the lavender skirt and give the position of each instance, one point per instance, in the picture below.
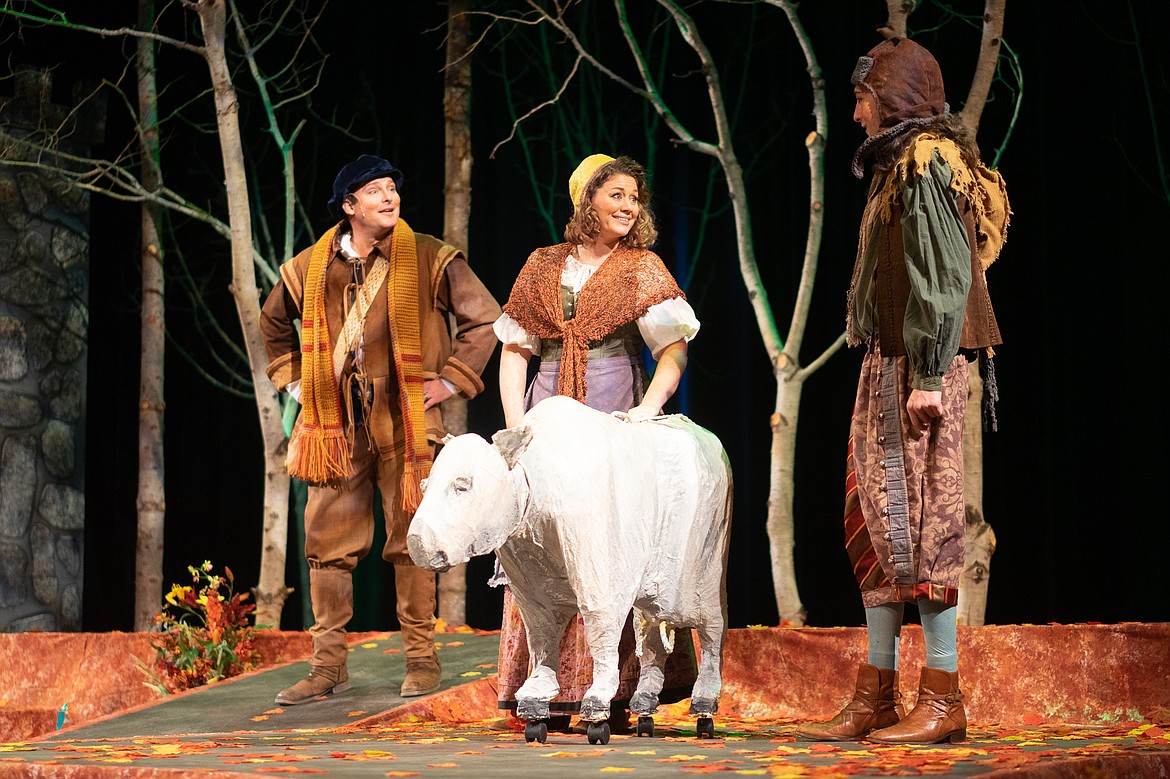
{"points": [[611, 383]]}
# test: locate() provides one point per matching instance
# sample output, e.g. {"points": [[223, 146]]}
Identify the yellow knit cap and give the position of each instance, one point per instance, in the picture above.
{"points": [[582, 174]]}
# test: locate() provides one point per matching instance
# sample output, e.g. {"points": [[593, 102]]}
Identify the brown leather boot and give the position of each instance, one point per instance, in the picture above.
{"points": [[938, 715], [423, 675], [414, 593], [876, 703], [322, 680]]}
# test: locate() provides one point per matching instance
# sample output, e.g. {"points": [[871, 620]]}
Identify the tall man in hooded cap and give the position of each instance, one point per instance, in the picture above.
{"points": [[934, 220], [373, 361]]}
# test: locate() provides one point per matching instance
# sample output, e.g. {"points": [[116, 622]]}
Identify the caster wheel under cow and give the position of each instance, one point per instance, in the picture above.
{"points": [[599, 732], [645, 726], [705, 727], [536, 730]]}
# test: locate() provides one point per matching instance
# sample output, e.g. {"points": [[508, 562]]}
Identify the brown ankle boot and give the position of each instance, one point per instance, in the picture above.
{"points": [[322, 680], [938, 715], [876, 703], [423, 675]]}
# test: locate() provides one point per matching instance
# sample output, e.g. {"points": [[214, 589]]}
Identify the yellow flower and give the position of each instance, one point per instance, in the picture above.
{"points": [[177, 593]]}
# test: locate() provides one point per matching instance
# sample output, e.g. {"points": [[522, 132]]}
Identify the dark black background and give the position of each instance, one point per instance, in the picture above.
{"points": [[1073, 479]]}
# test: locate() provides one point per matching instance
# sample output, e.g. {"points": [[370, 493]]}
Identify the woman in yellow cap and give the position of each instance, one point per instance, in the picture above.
{"points": [[586, 307]]}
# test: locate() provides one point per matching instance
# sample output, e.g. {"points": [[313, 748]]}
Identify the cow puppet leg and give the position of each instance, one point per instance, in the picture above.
{"points": [[603, 632], [545, 624], [705, 695], [652, 654]]}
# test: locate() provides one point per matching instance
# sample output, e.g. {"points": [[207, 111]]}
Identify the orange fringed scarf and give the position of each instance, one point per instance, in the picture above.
{"points": [[406, 341], [318, 451], [626, 285]]}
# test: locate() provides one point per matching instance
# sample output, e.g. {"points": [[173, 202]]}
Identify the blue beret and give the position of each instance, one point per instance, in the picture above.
{"points": [[363, 170]]}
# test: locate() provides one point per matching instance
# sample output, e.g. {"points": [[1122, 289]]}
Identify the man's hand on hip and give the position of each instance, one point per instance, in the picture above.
{"points": [[435, 391]]}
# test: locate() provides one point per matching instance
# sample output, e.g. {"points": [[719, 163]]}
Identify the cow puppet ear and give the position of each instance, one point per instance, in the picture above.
{"points": [[511, 443]]}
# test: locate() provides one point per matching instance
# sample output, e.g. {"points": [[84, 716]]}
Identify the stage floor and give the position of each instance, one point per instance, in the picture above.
{"points": [[234, 729]]}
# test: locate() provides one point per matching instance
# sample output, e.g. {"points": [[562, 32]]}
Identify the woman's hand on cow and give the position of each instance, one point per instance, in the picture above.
{"points": [[672, 361], [642, 412]]}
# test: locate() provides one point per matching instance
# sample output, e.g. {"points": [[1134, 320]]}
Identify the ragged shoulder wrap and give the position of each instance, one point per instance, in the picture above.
{"points": [[984, 206]]}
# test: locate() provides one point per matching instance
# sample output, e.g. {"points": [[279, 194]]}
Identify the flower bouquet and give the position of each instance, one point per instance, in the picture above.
{"points": [[202, 634]]}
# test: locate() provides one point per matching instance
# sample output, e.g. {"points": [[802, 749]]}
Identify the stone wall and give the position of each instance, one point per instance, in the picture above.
{"points": [[44, 315]]}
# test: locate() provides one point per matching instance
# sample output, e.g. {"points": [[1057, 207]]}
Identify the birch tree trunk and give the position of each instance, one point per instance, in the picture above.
{"points": [[781, 490], [986, 65], [897, 12], [979, 538], [790, 377], [151, 500], [452, 592], [270, 592]]}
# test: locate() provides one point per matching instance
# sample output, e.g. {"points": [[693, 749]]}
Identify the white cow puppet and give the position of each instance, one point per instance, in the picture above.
{"points": [[594, 514]]}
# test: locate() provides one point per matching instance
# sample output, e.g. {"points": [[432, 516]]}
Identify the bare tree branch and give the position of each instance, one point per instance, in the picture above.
{"points": [[897, 13], [202, 371], [815, 143], [986, 66], [116, 181], [271, 591], [813, 366], [285, 145], [551, 101], [654, 95], [1158, 139], [750, 271], [127, 32], [559, 22], [210, 321]]}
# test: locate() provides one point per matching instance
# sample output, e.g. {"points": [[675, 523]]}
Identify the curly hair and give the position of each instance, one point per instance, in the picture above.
{"points": [[947, 125], [585, 224]]}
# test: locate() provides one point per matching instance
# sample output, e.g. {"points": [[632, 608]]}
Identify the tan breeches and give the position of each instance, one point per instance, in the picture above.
{"points": [[339, 531]]}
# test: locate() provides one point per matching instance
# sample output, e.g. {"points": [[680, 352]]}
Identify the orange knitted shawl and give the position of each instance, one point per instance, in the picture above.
{"points": [[626, 285]]}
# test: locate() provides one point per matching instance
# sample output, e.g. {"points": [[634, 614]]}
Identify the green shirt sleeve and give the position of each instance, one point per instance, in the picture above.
{"points": [[938, 263]]}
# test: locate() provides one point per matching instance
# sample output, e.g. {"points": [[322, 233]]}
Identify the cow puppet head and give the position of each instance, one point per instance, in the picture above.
{"points": [[473, 501]]}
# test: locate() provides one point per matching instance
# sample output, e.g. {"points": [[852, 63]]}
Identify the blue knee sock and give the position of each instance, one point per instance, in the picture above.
{"points": [[884, 628], [938, 629]]}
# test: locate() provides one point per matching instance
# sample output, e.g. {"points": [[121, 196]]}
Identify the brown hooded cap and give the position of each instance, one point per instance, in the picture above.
{"points": [[905, 79]]}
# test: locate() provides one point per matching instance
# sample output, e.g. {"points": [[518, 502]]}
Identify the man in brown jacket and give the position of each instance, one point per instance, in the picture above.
{"points": [[373, 361]]}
